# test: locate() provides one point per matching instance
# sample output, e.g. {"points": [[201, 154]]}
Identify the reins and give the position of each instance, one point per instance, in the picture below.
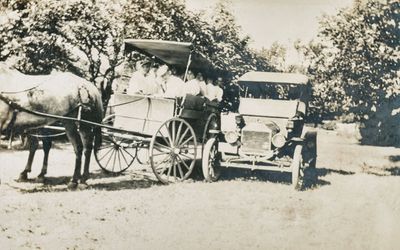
{"points": [[19, 108], [20, 91]]}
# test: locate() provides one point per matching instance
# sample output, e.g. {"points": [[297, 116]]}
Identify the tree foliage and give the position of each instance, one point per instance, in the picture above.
{"points": [[356, 66], [86, 36]]}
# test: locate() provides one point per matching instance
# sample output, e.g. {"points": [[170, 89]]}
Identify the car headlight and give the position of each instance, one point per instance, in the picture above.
{"points": [[231, 136], [278, 140]]}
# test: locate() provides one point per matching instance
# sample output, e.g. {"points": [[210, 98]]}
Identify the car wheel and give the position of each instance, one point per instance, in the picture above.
{"points": [[297, 168], [211, 161]]}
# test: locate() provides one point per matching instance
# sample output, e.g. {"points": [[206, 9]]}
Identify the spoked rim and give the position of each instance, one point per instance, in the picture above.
{"points": [[115, 154], [173, 150], [211, 161]]}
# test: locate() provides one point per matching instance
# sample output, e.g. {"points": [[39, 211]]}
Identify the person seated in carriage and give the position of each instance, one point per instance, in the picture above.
{"points": [[170, 85], [143, 80], [213, 90], [192, 85]]}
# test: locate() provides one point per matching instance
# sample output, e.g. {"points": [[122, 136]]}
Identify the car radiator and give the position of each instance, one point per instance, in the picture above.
{"points": [[255, 142]]}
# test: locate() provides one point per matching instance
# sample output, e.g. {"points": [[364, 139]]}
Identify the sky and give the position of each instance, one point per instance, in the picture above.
{"points": [[283, 21]]}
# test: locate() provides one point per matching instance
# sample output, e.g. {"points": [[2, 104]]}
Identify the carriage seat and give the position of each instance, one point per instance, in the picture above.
{"points": [[194, 102], [193, 107]]}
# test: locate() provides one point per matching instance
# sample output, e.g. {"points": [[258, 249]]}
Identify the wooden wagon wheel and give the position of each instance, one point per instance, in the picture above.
{"points": [[173, 150], [114, 154]]}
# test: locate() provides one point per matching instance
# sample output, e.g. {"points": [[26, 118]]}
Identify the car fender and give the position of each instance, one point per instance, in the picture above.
{"points": [[309, 136]]}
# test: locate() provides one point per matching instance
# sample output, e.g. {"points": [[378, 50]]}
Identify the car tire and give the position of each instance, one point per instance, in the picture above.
{"points": [[211, 160], [297, 168]]}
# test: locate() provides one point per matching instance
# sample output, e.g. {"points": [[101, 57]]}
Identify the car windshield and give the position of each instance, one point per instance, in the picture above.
{"points": [[272, 91]]}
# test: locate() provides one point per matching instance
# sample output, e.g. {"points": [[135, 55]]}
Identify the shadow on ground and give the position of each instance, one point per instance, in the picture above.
{"points": [[381, 171], [394, 158], [98, 181]]}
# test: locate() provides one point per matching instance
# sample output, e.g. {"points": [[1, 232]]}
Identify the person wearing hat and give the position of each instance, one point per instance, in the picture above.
{"points": [[139, 83]]}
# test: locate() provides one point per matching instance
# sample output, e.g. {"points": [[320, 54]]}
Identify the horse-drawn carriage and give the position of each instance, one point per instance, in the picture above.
{"points": [[173, 130], [170, 129]]}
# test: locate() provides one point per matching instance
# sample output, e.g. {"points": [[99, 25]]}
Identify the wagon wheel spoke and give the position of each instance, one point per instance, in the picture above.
{"points": [[179, 131], [184, 163], [109, 151], [114, 159], [180, 169], [162, 153], [162, 146], [183, 136], [187, 156], [174, 168], [123, 157], [161, 135], [186, 141], [111, 156], [169, 171], [119, 159], [133, 157], [166, 159], [169, 136], [162, 169], [173, 132]]}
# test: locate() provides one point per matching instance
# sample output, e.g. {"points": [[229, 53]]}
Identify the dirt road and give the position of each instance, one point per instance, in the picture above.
{"points": [[355, 205]]}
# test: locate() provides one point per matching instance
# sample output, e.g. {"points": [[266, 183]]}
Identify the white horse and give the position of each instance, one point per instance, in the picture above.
{"points": [[23, 100]]}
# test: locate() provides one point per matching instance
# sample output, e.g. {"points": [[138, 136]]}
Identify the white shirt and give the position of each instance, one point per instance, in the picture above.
{"points": [[192, 87], [214, 92], [141, 84], [174, 87], [203, 88], [137, 83]]}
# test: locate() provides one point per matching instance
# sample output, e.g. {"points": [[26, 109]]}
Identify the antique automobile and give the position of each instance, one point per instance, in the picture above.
{"points": [[268, 132]]}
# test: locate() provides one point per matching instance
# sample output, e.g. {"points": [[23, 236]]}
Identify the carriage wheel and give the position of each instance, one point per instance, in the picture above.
{"points": [[211, 124], [297, 168], [114, 154], [173, 150], [211, 161]]}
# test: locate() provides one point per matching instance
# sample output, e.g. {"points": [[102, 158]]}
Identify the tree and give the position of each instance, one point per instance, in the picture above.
{"points": [[356, 63], [86, 36], [81, 36], [230, 50]]}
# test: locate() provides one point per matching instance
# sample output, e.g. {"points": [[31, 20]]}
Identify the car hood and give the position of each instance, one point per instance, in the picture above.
{"points": [[268, 107]]}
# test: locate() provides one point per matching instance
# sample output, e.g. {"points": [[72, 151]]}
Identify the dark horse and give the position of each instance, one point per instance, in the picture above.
{"points": [[25, 99]]}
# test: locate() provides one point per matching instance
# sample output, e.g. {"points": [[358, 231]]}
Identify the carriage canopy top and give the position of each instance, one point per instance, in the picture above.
{"points": [[273, 77], [170, 52]]}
